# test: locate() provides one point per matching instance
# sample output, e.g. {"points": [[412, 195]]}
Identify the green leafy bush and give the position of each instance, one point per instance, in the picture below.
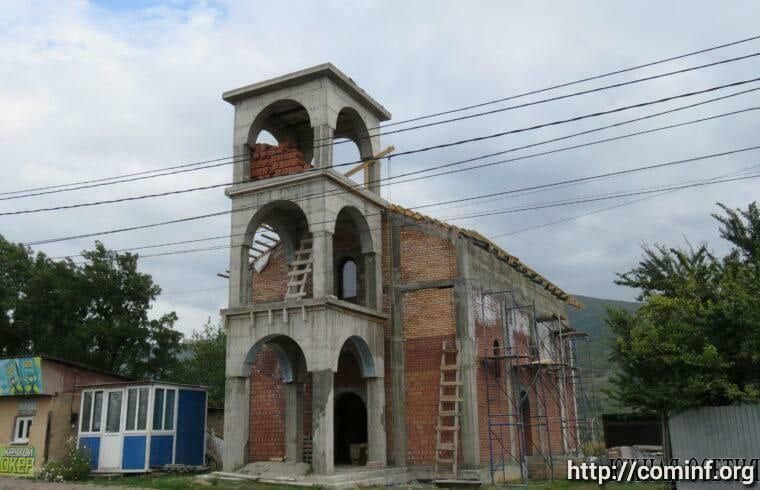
{"points": [[75, 465]]}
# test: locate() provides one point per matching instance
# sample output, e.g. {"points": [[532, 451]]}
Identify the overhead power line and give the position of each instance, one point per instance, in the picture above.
{"points": [[492, 237], [552, 204], [408, 152], [574, 82], [474, 106], [552, 140], [249, 208], [543, 101], [511, 160], [609, 208]]}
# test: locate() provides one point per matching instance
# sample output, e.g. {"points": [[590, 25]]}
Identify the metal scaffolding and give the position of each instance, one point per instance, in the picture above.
{"points": [[536, 385]]}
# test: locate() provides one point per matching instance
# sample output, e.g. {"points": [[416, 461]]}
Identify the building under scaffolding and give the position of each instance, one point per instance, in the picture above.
{"points": [[538, 380]]}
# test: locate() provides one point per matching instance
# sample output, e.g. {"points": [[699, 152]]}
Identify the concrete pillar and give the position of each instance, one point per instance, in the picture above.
{"points": [[322, 257], [371, 297], [323, 149], [374, 176], [241, 169], [469, 434], [376, 421], [322, 413], [240, 293], [236, 417], [294, 421], [397, 353]]}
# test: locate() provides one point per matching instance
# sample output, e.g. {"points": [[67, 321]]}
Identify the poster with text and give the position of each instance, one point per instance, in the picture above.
{"points": [[17, 460], [21, 376]]}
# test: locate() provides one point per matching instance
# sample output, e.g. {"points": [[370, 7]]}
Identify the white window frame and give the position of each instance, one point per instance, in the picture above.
{"points": [[163, 429], [101, 414], [27, 422], [141, 391]]}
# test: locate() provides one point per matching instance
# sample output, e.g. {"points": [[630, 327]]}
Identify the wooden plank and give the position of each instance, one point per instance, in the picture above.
{"points": [[366, 163]]}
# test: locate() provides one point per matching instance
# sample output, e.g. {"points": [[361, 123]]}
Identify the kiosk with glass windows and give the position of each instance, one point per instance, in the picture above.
{"points": [[136, 427]]}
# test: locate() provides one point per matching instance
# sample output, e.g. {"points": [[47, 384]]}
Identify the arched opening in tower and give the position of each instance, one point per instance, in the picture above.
{"points": [[350, 419], [281, 141]]}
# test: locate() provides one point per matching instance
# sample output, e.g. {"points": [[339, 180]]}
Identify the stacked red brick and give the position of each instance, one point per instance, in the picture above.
{"points": [[428, 319], [269, 161]]}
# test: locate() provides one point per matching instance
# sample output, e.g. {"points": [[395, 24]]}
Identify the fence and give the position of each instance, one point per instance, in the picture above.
{"points": [[716, 432]]}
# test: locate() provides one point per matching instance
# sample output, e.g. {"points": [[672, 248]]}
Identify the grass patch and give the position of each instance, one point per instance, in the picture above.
{"points": [[185, 481], [166, 482]]}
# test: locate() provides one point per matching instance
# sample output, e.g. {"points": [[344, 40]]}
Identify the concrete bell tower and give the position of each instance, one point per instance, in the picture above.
{"points": [[305, 281]]}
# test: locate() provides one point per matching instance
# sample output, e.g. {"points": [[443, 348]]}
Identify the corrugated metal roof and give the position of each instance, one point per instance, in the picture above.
{"points": [[137, 383], [490, 246]]}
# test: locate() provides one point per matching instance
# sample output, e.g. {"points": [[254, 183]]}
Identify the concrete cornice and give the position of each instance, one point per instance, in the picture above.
{"points": [[325, 70], [309, 303], [285, 180]]}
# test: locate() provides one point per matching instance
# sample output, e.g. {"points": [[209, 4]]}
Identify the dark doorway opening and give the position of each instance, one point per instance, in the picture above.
{"points": [[526, 422], [350, 426]]}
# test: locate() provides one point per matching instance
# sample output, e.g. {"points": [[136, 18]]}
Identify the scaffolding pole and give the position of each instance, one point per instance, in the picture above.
{"points": [[546, 385]]}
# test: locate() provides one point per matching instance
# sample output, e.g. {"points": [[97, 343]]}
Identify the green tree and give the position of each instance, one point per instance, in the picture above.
{"points": [[15, 266], [95, 313], [202, 361], [696, 339]]}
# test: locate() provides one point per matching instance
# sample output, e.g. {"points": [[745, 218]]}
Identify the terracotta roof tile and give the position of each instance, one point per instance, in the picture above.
{"points": [[495, 249]]}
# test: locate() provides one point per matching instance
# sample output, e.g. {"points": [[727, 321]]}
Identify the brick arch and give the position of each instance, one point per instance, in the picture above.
{"points": [[359, 223], [289, 355], [363, 353], [289, 121], [287, 219]]}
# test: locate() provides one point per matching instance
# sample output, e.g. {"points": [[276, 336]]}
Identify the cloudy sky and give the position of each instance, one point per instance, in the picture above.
{"points": [[97, 89]]}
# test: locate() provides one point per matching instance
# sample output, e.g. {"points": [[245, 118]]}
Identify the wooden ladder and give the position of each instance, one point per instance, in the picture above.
{"points": [[299, 270], [449, 403]]}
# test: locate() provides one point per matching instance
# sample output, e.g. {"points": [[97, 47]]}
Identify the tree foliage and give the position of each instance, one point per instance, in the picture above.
{"points": [[696, 339], [96, 313], [202, 361]]}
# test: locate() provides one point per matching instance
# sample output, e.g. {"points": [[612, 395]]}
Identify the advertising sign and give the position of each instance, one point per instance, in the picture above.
{"points": [[21, 376], [17, 460]]}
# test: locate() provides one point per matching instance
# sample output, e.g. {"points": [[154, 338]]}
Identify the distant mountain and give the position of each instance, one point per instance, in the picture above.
{"points": [[591, 320]]}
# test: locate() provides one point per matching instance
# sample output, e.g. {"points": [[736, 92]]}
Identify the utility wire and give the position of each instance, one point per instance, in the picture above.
{"points": [[637, 169], [542, 101], [552, 140], [533, 155], [574, 82], [408, 152], [597, 211], [551, 204], [58, 186]]}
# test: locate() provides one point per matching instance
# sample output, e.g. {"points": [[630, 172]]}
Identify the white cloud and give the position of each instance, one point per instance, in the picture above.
{"points": [[87, 91]]}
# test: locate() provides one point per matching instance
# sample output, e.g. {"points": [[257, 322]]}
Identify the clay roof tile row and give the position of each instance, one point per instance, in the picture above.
{"points": [[510, 259]]}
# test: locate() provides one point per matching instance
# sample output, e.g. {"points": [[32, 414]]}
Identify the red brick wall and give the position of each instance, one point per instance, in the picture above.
{"points": [[267, 412], [272, 282], [428, 318], [423, 364], [269, 161], [425, 257]]}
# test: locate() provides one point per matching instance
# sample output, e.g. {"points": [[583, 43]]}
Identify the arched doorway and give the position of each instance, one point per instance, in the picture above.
{"points": [[278, 372], [350, 427]]}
